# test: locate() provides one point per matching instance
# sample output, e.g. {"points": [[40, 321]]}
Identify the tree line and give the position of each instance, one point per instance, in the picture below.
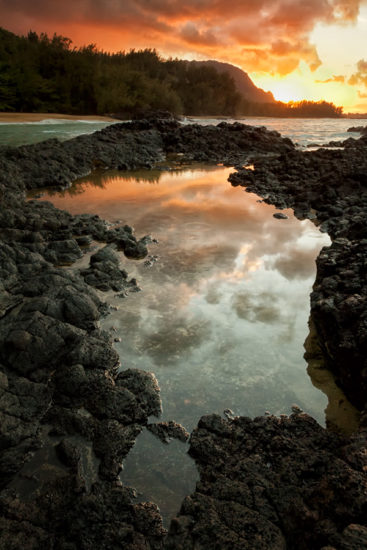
{"points": [[304, 108], [39, 73]]}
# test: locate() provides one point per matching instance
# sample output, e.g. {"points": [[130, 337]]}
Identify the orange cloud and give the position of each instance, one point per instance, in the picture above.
{"points": [[359, 77], [362, 66], [263, 35], [334, 78], [346, 11]]}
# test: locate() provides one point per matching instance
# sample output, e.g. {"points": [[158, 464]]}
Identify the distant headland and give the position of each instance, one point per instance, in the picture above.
{"points": [[42, 74]]}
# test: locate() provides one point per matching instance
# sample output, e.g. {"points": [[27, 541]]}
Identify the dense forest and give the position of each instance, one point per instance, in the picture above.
{"points": [[43, 74]]}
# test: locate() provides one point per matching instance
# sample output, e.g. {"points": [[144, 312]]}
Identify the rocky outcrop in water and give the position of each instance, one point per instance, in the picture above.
{"points": [[68, 417], [226, 143], [358, 129], [352, 142]]}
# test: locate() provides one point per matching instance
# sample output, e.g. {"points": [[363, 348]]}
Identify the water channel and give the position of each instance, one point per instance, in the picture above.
{"points": [[222, 315]]}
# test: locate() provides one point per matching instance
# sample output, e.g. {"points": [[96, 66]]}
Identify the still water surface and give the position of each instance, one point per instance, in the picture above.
{"points": [[222, 315]]}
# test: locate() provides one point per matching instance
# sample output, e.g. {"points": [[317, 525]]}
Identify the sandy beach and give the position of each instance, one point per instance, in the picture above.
{"points": [[38, 117]]}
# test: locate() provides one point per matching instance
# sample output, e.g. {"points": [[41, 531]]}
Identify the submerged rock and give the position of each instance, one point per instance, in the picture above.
{"points": [[280, 216], [104, 272]]}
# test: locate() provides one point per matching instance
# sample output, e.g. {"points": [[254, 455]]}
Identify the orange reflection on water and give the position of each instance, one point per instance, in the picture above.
{"points": [[222, 307], [175, 193]]}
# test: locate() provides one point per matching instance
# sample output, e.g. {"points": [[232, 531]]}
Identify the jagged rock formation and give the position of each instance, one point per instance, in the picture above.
{"points": [[273, 483], [68, 416]]}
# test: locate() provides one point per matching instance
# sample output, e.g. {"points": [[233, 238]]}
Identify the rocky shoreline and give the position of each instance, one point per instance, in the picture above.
{"points": [[69, 415], [331, 188]]}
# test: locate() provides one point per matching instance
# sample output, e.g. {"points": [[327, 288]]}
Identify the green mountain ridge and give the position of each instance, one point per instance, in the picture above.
{"points": [[243, 82]]}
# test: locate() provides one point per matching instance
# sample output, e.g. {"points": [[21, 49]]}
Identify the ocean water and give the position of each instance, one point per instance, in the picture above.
{"points": [[304, 132], [23, 133]]}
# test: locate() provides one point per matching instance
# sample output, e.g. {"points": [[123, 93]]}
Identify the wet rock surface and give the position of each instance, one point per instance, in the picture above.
{"points": [[352, 142], [273, 483], [68, 416], [226, 143], [104, 272]]}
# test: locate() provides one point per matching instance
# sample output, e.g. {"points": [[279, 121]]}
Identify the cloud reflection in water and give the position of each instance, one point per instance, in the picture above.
{"points": [[223, 313]]}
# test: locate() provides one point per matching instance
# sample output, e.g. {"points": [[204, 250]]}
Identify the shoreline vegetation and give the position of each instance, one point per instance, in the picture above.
{"points": [[43, 74]]}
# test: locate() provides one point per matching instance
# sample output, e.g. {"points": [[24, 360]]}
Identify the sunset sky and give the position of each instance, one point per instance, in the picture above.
{"points": [[298, 49]]}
